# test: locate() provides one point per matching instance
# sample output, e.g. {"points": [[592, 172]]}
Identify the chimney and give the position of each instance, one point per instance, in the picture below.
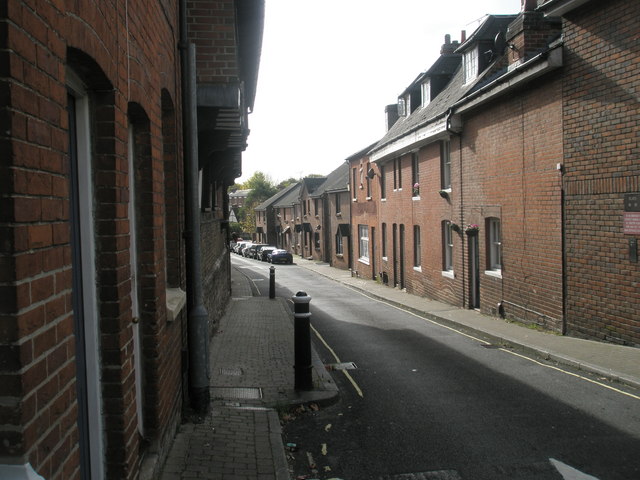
{"points": [[463, 36], [530, 33], [448, 46], [528, 5], [391, 115]]}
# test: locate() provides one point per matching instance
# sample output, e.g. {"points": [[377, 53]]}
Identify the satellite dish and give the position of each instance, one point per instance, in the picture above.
{"points": [[371, 173], [499, 43]]}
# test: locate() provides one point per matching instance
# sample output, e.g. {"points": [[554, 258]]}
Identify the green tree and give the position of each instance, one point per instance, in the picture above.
{"points": [[262, 188]]}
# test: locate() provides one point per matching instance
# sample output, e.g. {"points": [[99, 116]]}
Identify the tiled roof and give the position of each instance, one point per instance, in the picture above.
{"points": [[292, 197], [336, 181], [276, 197]]}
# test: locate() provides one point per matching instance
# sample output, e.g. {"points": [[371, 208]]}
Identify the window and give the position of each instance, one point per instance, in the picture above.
{"points": [[447, 247], [316, 240], [470, 65], [397, 173], [445, 165], [384, 240], [338, 204], [284, 211], [363, 237], [417, 258], [354, 180], [494, 245], [426, 92], [383, 183], [339, 247], [368, 180], [316, 208], [402, 107], [415, 174]]}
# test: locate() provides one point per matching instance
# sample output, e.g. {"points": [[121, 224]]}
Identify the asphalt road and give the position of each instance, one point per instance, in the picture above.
{"points": [[427, 402]]}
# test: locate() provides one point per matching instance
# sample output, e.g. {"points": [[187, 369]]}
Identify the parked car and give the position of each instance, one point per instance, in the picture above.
{"points": [[242, 246], [280, 256], [264, 251], [252, 251]]}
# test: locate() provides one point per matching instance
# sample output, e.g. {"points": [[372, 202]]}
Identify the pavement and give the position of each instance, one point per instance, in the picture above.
{"points": [[252, 379]]}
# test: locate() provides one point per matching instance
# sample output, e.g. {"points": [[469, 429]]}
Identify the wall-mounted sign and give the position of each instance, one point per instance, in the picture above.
{"points": [[632, 202], [631, 223]]}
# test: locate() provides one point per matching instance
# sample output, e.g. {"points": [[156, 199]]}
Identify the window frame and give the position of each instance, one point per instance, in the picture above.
{"points": [[383, 183], [417, 248], [447, 248], [471, 63], [363, 243], [384, 240], [415, 174], [445, 165], [339, 244], [425, 92], [494, 245]]}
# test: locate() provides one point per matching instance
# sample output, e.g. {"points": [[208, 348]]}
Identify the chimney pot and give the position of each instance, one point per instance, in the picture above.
{"points": [[447, 39], [463, 36]]}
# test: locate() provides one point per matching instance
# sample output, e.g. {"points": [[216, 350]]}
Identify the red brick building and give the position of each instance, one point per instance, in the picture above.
{"points": [[601, 165], [94, 271], [310, 210]]}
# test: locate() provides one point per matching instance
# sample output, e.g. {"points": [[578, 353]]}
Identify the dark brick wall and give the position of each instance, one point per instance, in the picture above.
{"points": [[123, 62], [602, 164]]}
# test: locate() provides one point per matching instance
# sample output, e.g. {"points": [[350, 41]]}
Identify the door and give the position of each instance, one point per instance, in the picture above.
{"points": [[394, 246], [402, 285], [474, 272], [84, 294], [135, 303], [373, 253]]}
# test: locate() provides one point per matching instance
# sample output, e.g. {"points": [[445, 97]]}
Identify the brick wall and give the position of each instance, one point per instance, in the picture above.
{"points": [[216, 268], [602, 164], [509, 155], [37, 335]]}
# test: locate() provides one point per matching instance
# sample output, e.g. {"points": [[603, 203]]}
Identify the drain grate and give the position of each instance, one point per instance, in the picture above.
{"points": [[233, 371], [436, 475], [223, 393], [341, 366]]}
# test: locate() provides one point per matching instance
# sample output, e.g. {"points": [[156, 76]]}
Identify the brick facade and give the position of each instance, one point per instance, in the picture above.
{"points": [[601, 162], [93, 276]]}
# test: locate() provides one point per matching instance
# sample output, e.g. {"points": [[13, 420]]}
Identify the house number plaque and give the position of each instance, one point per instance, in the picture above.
{"points": [[632, 214]]}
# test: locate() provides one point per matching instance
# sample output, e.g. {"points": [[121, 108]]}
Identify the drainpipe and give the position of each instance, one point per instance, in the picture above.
{"points": [[197, 316]]}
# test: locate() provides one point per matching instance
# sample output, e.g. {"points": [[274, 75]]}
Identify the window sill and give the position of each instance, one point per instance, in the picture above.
{"points": [[418, 269], [383, 199], [448, 274], [368, 199], [364, 260], [415, 198], [176, 300], [385, 259], [339, 214], [493, 273], [339, 255]]}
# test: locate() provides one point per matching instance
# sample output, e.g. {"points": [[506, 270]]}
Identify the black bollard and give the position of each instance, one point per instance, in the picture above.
{"points": [[302, 341], [272, 282]]}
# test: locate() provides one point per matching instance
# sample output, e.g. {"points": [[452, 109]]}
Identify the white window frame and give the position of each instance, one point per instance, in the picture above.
{"points": [[494, 246], [417, 248], [470, 60], [339, 245], [447, 249], [425, 91], [363, 243], [445, 165]]}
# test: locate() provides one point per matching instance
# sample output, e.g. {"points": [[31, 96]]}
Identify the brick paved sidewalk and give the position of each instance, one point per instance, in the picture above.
{"points": [[251, 361]]}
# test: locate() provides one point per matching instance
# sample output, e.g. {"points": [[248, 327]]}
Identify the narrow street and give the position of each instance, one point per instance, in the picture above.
{"points": [[424, 401]]}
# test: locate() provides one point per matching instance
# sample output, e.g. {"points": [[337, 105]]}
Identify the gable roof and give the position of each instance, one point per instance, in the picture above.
{"points": [[275, 198], [291, 197], [336, 181]]}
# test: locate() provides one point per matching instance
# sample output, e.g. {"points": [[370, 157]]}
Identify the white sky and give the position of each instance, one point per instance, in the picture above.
{"points": [[329, 68]]}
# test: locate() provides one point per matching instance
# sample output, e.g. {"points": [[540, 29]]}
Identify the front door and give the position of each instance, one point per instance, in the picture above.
{"points": [[394, 245], [474, 272], [402, 284], [84, 291]]}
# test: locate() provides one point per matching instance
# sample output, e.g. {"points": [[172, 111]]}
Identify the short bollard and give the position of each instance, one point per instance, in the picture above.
{"points": [[302, 341], [272, 282]]}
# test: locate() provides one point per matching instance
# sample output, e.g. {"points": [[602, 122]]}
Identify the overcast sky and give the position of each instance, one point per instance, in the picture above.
{"points": [[329, 68]]}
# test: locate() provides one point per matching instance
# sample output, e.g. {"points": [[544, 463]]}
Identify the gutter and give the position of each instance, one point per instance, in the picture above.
{"points": [[197, 315], [524, 72]]}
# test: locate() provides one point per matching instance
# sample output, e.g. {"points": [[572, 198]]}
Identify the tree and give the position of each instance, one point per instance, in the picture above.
{"points": [[261, 188]]}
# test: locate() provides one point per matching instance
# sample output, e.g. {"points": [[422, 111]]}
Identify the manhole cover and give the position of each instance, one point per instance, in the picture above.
{"points": [[234, 371], [341, 366], [233, 392]]}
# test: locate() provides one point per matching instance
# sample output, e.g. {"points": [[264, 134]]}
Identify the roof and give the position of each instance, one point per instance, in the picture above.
{"points": [[276, 197], [437, 109], [487, 30], [337, 180], [360, 153], [312, 183], [240, 193], [291, 198]]}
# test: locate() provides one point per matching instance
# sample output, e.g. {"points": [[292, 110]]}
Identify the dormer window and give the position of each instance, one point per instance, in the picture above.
{"points": [[470, 65], [402, 107], [425, 90]]}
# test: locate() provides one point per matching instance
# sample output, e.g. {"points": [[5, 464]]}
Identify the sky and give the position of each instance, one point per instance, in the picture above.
{"points": [[329, 67]]}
